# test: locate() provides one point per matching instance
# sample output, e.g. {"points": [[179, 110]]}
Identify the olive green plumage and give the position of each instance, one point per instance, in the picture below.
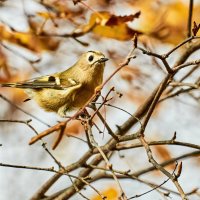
{"points": [[71, 89]]}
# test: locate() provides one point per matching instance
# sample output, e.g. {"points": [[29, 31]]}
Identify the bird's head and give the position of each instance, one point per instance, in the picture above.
{"points": [[92, 60]]}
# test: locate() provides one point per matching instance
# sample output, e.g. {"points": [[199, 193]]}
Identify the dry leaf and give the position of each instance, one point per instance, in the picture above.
{"points": [[16, 95], [109, 25], [136, 97], [165, 21], [4, 65], [131, 73], [74, 128], [163, 154], [47, 15], [111, 193], [28, 40], [60, 10], [195, 28], [117, 20]]}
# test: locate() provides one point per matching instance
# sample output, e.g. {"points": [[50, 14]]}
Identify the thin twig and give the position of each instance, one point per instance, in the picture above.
{"points": [[189, 25], [154, 143], [160, 168], [27, 113]]}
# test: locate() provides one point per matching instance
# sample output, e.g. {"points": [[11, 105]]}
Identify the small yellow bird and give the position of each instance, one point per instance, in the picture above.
{"points": [[68, 90]]}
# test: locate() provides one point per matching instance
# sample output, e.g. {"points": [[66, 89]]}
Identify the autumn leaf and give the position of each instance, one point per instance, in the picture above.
{"points": [[28, 40], [4, 64], [162, 153], [111, 194], [135, 97], [47, 15], [58, 10], [195, 28], [74, 128], [166, 21], [17, 95], [130, 73], [117, 20], [108, 25]]}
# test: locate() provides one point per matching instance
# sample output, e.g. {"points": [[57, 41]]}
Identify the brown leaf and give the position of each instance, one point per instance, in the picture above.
{"points": [[117, 20], [163, 154], [137, 97], [179, 170], [195, 28], [108, 25], [130, 73], [74, 128]]}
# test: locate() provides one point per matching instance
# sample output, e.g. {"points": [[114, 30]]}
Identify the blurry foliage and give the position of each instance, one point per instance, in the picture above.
{"points": [[4, 66], [135, 97], [162, 153], [156, 19], [164, 21], [130, 73], [27, 40], [17, 96], [195, 28]]}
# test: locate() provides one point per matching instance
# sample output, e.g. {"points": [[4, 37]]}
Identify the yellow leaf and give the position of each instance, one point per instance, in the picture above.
{"points": [[165, 21], [109, 25], [28, 40], [4, 64], [46, 15], [111, 194], [120, 32]]}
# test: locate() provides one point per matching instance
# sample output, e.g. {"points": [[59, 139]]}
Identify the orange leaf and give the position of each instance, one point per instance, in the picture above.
{"points": [[28, 40], [109, 25], [4, 64], [74, 128], [137, 97], [163, 154], [117, 20], [46, 15], [111, 194], [165, 21], [131, 73], [17, 95]]}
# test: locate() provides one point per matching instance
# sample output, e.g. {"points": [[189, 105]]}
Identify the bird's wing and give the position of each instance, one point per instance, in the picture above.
{"points": [[49, 81]]}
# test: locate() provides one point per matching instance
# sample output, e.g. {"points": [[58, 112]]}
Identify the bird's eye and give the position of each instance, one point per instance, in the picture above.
{"points": [[91, 58]]}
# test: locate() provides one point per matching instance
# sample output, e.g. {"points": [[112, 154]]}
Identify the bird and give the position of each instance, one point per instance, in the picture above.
{"points": [[68, 90]]}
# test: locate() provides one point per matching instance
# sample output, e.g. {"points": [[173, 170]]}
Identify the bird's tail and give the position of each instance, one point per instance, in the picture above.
{"points": [[32, 85], [13, 85]]}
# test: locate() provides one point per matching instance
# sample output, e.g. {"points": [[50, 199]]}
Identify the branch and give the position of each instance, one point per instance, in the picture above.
{"points": [[155, 143], [61, 124], [122, 130]]}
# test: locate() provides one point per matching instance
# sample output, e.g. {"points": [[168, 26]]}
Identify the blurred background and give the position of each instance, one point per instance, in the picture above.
{"points": [[47, 36]]}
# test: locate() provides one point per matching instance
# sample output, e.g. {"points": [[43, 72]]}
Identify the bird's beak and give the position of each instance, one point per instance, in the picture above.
{"points": [[103, 60]]}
